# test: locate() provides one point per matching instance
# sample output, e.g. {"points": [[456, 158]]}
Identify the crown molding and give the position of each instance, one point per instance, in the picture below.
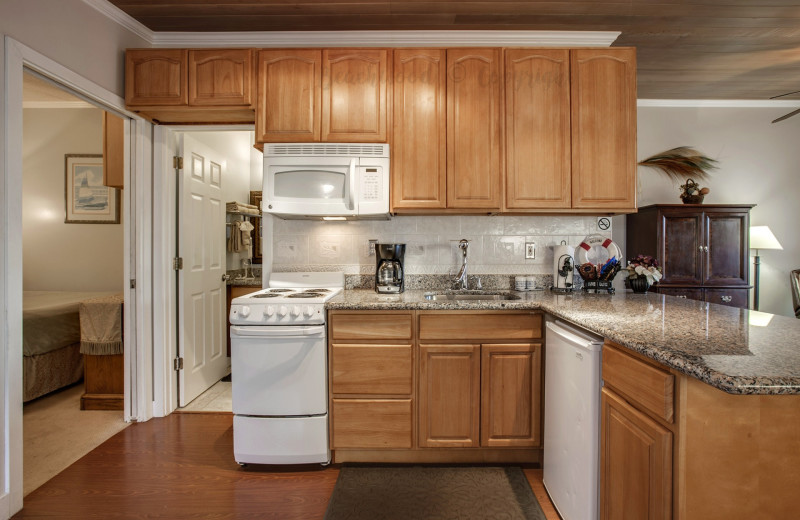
{"points": [[57, 104], [454, 38], [121, 17], [718, 103]]}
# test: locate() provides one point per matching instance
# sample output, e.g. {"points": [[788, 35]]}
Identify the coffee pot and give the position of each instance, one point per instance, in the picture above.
{"points": [[389, 268]]}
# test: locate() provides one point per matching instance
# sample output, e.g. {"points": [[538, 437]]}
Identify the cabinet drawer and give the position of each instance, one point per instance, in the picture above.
{"points": [[683, 292], [730, 297], [369, 326], [371, 423], [642, 384], [371, 369], [475, 327]]}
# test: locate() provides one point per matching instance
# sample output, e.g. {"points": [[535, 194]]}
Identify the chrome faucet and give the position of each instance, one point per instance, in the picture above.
{"points": [[461, 277]]}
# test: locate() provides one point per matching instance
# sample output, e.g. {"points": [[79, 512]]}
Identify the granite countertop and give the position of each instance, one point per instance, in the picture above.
{"points": [[736, 350], [245, 282]]}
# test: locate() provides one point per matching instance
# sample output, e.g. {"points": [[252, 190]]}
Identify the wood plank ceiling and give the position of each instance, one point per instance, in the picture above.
{"points": [[687, 49]]}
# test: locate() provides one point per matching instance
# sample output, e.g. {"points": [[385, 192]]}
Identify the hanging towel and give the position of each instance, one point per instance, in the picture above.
{"points": [[235, 238]]}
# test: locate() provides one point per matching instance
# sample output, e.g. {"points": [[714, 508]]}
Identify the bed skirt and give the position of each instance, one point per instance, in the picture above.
{"points": [[44, 373]]}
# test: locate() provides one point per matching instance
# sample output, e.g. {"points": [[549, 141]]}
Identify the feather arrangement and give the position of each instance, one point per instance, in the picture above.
{"points": [[681, 162]]}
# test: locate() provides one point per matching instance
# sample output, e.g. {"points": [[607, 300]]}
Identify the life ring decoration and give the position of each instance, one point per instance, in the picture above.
{"points": [[593, 243]]}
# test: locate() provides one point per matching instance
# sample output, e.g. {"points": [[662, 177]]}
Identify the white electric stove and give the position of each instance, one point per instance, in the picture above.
{"points": [[279, 370]]}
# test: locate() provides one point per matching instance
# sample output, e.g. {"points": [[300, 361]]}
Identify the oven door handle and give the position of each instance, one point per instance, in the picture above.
{"points": [[279, 331]]}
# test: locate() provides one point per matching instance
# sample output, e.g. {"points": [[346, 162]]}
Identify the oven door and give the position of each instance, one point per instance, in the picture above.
{"points": [[310, 186], [279, 371]]}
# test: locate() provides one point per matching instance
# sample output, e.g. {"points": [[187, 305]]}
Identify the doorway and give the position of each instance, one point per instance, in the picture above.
{"points": [[72, 253], [223, 266]]}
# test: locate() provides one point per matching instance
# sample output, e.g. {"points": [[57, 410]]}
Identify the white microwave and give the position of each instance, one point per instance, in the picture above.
{"points": [[316, 180]]}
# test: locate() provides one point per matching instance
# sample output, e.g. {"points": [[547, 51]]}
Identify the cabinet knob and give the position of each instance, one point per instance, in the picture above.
{"points": [[682, 296], [727, 299], [705, 248]]}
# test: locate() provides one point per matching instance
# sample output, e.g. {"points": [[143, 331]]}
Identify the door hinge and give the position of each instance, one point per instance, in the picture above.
{"points": [[177, 263], [133, 283], [177, 363], [177, 162]]}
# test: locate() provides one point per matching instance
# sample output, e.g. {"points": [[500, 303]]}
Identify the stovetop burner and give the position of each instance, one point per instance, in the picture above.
{"points": [[266, 295], [306, 295], [318, 290], [280, 290]]}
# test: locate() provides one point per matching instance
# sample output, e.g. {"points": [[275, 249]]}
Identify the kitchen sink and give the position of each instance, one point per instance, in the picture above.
{"points": [[471, 295]]}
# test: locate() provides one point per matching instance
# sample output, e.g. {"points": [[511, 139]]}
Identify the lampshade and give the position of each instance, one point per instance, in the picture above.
{"points": [[762, 238]]}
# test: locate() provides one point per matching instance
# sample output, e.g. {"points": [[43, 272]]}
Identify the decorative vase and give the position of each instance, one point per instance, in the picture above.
{"points": [[639, 284]]}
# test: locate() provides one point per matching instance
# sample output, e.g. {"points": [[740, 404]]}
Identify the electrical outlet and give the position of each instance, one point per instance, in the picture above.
{"points": [[530, 250], [371, 246]]}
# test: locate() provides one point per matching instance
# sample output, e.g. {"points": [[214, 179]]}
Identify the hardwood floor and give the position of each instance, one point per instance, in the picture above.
{"points": [[182, 466]]}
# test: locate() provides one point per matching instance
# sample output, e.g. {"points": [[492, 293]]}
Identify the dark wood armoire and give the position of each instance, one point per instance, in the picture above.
{"points": [[703, 249]]}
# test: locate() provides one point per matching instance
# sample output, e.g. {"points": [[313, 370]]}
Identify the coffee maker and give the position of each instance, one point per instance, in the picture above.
{"points": [[389, 268]]}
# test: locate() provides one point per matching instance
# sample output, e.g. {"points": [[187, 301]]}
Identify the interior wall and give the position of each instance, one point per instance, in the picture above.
{"points": [[235, 146], [58, 256], [759, 163]]}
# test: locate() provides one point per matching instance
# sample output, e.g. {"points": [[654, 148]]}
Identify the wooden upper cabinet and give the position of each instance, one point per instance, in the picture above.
{"points": [[474, 128], [538, 173], [113, 151], [289, 95], [511, 395], [603, 128], [354, 95], [419, 136], [155, 77], [221, 77]]}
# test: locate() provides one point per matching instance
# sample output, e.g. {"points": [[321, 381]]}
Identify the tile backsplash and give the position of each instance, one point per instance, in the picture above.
{"points": [[497, 243]]}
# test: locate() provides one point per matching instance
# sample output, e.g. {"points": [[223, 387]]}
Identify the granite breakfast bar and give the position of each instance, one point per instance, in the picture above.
{"points": [[728, 445]]}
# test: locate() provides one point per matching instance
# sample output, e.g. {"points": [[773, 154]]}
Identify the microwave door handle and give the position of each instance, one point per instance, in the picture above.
{"points": [[352, 176]]}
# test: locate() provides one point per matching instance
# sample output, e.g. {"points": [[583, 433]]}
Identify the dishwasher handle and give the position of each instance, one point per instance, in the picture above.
{"points": [[574, 339]]}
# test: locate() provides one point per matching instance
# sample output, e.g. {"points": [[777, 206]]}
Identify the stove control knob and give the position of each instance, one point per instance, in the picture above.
{"points": [[282, 311], [296, 310], [245, 312], [309, 311], [269, 310]]}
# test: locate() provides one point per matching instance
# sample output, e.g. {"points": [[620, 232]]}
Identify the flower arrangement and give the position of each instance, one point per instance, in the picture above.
{"points": [[644, 266]]}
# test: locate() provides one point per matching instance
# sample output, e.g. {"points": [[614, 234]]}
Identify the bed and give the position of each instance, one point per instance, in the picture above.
{"points": [[51, 337]]}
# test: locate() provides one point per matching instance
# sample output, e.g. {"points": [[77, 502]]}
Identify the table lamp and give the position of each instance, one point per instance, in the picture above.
{"points": [[761, 238]]}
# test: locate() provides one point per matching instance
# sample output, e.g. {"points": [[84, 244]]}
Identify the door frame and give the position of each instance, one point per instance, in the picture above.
{"points": [[165, 246], [137, 241]]}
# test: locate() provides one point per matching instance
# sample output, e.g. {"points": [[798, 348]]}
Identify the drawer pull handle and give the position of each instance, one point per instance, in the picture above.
{"points": [[727, 299], [682, 296]]}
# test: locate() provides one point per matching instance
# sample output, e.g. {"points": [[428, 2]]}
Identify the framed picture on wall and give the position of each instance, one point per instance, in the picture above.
{"points": [[87, 200]]}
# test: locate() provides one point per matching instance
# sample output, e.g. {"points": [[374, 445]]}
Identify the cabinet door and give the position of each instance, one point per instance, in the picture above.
{"points": [[635, 462], [113, 151], [681, 247], [221, 77], [449, 395], [511, 394], [603, 128], [354, 84], [155, 77], [727, 254], [474, 128], [538, 148], [288, 96], [419, 137]]}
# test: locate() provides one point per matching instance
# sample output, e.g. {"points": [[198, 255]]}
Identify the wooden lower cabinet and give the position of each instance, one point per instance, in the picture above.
{"points": [[453, 397], [449, 395], [636, 462], [511, 395], [371, 423]]}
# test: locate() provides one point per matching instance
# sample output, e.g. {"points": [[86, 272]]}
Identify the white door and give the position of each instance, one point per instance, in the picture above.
{"points": [[201, 288]]}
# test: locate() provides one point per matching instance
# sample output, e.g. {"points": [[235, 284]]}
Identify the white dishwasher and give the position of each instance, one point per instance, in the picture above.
{"points": [[572, 420]]}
